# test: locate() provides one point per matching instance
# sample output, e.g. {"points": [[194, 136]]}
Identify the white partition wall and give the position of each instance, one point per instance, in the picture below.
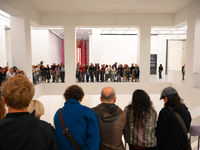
{"points": [[197, 46], [175, 55], [108, 49], [158, 46], [46, 46], [21, 44], [2, 46]]}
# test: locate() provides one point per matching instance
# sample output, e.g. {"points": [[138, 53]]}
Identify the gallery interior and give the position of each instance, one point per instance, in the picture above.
{"points": [[105, 32]]}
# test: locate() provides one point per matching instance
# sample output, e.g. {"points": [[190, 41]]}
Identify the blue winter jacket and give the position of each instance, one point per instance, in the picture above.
{"points": [[81, 122]]}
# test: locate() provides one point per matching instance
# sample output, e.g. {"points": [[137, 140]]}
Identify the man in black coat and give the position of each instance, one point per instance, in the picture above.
{"points": [[20, 130], [183, 72]]}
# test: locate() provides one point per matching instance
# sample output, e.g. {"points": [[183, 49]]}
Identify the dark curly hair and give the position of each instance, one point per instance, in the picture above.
{"points": [[174, 101], [141, 104], [74, 92]]}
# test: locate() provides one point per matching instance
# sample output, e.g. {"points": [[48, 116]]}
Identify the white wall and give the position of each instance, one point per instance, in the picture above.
{"points": [[45, 46], [108, 49], [123, 49], [175, 55], [197, 46], [8, 48], [158, 46], [2, 45]]}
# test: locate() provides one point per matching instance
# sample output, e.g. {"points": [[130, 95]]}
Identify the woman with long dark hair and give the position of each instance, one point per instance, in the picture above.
{"points": [[141, 118], [169, 131]]}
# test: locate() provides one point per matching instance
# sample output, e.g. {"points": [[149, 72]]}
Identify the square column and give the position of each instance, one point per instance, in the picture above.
{"points": [[190, 52], [2, 46], [21, 44], [197, 46], [143, 53], [70, 54]]}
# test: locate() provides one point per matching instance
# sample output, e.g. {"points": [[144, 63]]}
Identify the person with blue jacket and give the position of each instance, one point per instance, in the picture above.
{"points": [[80, 120]]}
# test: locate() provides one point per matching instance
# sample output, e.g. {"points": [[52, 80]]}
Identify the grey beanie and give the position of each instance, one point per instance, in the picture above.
{"points": [[168, 91]]}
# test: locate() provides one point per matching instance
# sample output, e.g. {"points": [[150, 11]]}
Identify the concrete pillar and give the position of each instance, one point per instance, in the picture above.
{"points": [[95, 51], [190, 52], [3, 61], [197, 46], [143, 55], [70, 54], [21, 44]]}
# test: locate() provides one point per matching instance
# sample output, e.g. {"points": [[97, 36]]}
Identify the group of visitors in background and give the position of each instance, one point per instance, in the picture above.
{"points": [[44, 74], [105, 73], [98, 128], [40, 73], [6, 73]]}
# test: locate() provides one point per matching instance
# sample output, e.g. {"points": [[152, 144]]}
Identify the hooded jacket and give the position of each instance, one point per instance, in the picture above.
{"points": [[23, 131], [112, 121]]}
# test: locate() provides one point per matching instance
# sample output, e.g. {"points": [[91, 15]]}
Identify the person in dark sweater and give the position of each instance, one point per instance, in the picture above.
{"points": [[160, 69], [92, 72], [20, 130], [169, 133]]}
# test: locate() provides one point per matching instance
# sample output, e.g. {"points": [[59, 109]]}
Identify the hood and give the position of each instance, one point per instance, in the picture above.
{"points": [[20, 128], [108, 112]]}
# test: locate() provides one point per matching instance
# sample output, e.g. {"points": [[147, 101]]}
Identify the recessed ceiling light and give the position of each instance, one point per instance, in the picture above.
{"points": [[128, 32], [163, 32], [55, 28], [121, 32], [155, 28], [181, 29], [178, 32], [106, 32], [114, 32], [135, 32], [107, 28], [120, 28], [4, 14], [172, 28], [86, 28], [133, 29]]}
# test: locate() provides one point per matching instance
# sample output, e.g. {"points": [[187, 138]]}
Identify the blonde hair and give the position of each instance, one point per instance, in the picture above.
{"points": [[2, 108], [37, 106], [18, 91], [11, 69]]}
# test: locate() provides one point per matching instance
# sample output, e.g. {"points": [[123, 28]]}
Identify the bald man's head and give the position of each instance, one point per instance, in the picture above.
{"points": [[108, 94]]}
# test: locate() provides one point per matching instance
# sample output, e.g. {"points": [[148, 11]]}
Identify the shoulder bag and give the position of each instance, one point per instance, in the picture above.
{"points": [[183, 127], [66, 132]]}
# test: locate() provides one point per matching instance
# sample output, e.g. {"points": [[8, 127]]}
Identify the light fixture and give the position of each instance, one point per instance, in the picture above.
{"points": [[4, 14]]}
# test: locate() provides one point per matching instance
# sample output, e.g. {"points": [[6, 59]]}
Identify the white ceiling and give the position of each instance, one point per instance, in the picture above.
{"points": [[113, 6], [180, 29], [109, 6], [84, 32]]}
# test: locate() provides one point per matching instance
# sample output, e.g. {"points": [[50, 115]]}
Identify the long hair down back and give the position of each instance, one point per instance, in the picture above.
{"points": [[141, 104]]}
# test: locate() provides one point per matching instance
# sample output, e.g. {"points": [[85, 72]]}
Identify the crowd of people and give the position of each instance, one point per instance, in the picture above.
{"points": [[6, 73], [98, 128], [45, 74], [40, 73], [105, 73]]}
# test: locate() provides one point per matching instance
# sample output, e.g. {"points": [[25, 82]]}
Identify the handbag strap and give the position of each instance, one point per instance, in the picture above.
{"points": [[183, 127], [66, 132]]}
